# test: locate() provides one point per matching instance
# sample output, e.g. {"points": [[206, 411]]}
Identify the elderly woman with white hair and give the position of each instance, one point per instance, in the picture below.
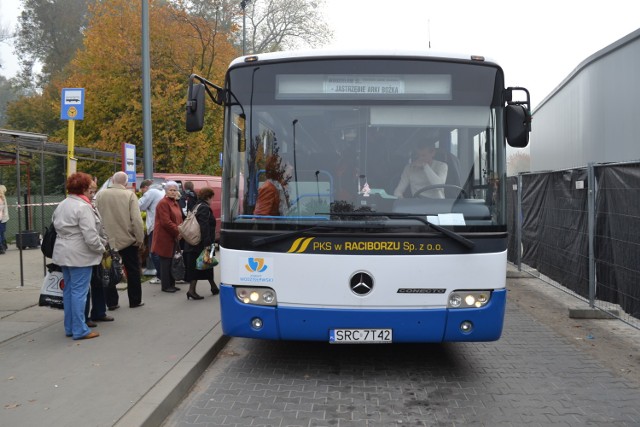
{"points": [[166, 234]]}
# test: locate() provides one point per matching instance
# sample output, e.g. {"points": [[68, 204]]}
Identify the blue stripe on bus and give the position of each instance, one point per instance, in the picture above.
{"points": [[409, 325]]}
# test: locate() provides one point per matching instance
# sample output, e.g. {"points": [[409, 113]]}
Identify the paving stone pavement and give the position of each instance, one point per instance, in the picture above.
{"points": [[532, 376]]}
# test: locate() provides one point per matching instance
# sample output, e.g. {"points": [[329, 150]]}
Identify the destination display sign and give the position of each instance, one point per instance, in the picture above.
{"points": [[367, 86], [364, 85]]}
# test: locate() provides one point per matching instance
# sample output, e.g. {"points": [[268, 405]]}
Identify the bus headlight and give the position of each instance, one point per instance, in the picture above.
{"points": [[468, 299], [256, 296]]}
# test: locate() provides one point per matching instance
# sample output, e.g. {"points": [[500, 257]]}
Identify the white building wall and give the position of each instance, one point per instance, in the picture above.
{"points": [[594, 114]]}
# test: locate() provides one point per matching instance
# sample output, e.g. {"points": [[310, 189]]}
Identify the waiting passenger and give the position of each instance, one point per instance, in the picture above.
{"points": [[273, 198]]}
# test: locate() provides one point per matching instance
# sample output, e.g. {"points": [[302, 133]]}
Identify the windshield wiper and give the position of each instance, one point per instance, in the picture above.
{"points": [[451, 234]]}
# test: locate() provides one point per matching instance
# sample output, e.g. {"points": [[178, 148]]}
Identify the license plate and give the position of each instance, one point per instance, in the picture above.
{"points": [[362, 336]]}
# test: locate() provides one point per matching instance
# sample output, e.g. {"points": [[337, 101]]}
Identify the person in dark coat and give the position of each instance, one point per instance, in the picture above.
{"points": [[207, 221], [188, 198], [166, 234]]}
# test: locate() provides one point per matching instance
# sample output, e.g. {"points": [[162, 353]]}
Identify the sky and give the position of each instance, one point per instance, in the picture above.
{"points": [[537, 43]]}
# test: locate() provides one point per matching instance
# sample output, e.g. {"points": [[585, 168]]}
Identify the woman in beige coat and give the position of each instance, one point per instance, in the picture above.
{"points": [[78, 248]]}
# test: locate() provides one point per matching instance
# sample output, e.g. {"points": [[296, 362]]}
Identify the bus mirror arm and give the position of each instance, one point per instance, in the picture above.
{"points": [[195, 100], [220, 95]]}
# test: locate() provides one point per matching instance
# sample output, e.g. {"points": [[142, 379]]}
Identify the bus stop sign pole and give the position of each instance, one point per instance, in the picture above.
{"points": [[71, 109]]}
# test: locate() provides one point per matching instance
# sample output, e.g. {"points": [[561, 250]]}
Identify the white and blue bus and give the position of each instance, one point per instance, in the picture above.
{"points": [[352, 256]]}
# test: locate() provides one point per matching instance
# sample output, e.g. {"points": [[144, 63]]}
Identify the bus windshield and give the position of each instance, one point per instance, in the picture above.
{"points": [[363, 142]]}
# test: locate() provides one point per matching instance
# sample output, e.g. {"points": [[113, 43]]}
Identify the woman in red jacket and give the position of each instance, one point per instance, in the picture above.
{"points": [[166, 234], [273, 198]]}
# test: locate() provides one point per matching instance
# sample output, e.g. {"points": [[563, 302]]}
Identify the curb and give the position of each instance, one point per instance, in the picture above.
{"points": [[158, 403]]}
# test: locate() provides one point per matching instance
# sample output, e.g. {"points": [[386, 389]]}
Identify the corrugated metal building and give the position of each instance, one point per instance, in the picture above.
{"points": [[594, 114]]}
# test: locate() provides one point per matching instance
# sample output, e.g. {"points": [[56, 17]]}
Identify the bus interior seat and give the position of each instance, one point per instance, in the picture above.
{"points": [[453, 172]]}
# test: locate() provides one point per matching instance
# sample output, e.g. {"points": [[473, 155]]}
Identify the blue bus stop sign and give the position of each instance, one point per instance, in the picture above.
{"points": [[72, 104]]}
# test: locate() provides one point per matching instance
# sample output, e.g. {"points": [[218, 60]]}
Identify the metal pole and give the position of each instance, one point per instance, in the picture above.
{"points": [[244, 27], [146, 94], [19, 236], [42, 221], [519, 223], [243, 5], [591, 220], [71, 162]]}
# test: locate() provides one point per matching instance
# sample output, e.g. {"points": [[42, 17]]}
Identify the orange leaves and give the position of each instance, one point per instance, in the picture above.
{"points": [[109, 67]]}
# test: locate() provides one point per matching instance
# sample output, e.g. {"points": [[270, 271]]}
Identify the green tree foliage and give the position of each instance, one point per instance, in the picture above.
{"points": [[49, 33], [36, 113], [40, 113], [7, 94]]}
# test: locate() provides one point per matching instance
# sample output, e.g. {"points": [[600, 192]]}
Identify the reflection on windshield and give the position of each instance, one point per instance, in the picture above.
{"points": [[307, 162]]}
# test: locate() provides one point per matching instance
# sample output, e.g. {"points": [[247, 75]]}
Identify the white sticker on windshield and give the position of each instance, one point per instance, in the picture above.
{"points": [[451, 219]]}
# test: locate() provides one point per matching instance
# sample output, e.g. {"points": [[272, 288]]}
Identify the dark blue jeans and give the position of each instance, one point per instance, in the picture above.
{"points": [[3, 241], [155, 259]]}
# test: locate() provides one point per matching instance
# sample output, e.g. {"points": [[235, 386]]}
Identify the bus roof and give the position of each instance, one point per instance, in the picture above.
{"points": [[332, 53]]}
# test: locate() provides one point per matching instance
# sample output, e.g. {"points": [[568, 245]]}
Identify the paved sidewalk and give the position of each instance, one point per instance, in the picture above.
{"points": [[139, 368]]}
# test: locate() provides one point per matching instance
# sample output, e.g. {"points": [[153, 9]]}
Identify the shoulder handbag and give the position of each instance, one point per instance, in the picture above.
{"points": [[190, 229], [49, 241]]}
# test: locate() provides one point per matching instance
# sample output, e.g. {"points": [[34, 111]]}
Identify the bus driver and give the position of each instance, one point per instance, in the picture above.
{"points": [[423, 171]]}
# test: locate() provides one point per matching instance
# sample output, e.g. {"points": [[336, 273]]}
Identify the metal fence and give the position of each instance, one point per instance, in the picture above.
{"points": [[30, 216], [579, 229], [33, 170]]}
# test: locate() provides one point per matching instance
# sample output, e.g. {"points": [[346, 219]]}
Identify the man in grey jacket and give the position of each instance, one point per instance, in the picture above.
{"points": [[120, 213], [148, 202]]}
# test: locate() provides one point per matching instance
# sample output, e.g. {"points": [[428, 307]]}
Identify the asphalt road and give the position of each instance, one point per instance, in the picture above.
{"points": [[546, 370]]}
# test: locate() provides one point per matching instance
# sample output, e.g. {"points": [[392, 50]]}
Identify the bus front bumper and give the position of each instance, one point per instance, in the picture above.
{"points": [[408, 325]]}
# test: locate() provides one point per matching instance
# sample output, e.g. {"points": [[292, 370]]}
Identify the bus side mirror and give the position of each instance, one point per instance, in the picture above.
{"points": [[195, 107], [517, 125]]}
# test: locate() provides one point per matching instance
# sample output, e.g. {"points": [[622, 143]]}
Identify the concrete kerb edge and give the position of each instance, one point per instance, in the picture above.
{"points": [[32, 331], [156, 405]]}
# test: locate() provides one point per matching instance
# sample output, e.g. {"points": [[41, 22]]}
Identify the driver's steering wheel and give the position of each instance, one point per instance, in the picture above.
{"points": [[461, 190]]}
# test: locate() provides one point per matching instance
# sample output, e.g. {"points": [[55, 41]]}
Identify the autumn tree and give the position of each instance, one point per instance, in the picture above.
{"points": [[186, 36], [285, 24], [271, 24], [109, 68]]}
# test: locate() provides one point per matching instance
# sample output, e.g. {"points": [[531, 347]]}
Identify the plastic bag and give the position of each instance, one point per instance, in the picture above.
{"points": [[206, 260], [177, 265], [110, 268], [51, 290]]}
